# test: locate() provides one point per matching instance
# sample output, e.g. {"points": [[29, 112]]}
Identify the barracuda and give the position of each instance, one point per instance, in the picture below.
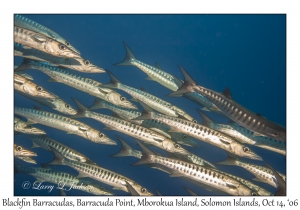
{"points": [[262, 174], [244, 135], [129, 114], [151, 100], [24, 127], [45, 142], [84, 84], [200, 132], [63, 180], [165, 79], [117, 181], [27, 86], [56, 103], [26, 23], [20, 151], [126, 150], [65, 124], [201, 174], [239, 114], [78, 64], [41, 42], [131, 129]]}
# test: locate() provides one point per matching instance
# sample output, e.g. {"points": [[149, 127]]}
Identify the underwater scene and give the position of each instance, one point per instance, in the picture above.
{"points": [[151, 105]]}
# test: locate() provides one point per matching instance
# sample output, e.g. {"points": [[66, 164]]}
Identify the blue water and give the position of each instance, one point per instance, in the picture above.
{"points": [[247, 53]]}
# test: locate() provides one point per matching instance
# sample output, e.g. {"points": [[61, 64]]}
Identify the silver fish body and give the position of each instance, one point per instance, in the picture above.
{"points": [[63, 180], [64, 123], [46, 143], [149, 99], [24, 22], [57, 103], [23, 127], [203, 133], [165, 79], [84, 84], [117, 181], [129, 114], [27, 86], [210, 177], [78, 64], [244, 135], [26, 159], [262, 174], [236, 112]]}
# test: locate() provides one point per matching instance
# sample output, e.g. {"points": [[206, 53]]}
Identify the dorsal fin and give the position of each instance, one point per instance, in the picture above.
{"points": [[227, 93], [158, 66], [206, 121]]}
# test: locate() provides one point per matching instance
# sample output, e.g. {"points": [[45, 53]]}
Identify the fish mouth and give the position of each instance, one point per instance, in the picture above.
{"points": [[130, 106], [108, 142], [96, 70], [255, 157]]}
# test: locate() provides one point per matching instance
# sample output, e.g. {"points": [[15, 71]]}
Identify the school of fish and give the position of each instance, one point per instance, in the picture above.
{"points": [[159, 123]]}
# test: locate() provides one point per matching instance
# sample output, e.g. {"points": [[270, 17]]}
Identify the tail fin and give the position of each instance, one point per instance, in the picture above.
{"points": [[125, 149], [192, 193], [98, 104], [146, 157], [147, 112], [130, 189], [127, 59], [281, 184], [81, 109], [58, 158], [25, 65], [187, 86], [206, 121], [114, 81]]}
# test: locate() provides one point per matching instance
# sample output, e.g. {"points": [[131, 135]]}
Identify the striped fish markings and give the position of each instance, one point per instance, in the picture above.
{"points": [[244, 135], [151, 100], [131, 129], [84, 84], [262, 174], [117, 181], [25, 85], [78, 64], [25, 127], [207, 176], [26, 23], [31, 39], [129, 114], [200, 132], [236, 112], [65, 124], [63, 180], [45, 142], [56, 103], [167, 80]]}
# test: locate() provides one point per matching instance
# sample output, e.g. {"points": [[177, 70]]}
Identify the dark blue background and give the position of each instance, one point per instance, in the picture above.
{"points": [[247, 53]]}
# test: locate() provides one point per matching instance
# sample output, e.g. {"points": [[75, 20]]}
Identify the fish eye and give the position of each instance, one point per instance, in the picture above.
{"points": [[254, 194], [62, 47], [87, 62], [143, 190], [246, 149], [19, 148], [194, 121], [39, 88], [67, 106], [122, 98], [101, 135], [28, 126], [184, 136], [67, 43], [177, 146]]}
